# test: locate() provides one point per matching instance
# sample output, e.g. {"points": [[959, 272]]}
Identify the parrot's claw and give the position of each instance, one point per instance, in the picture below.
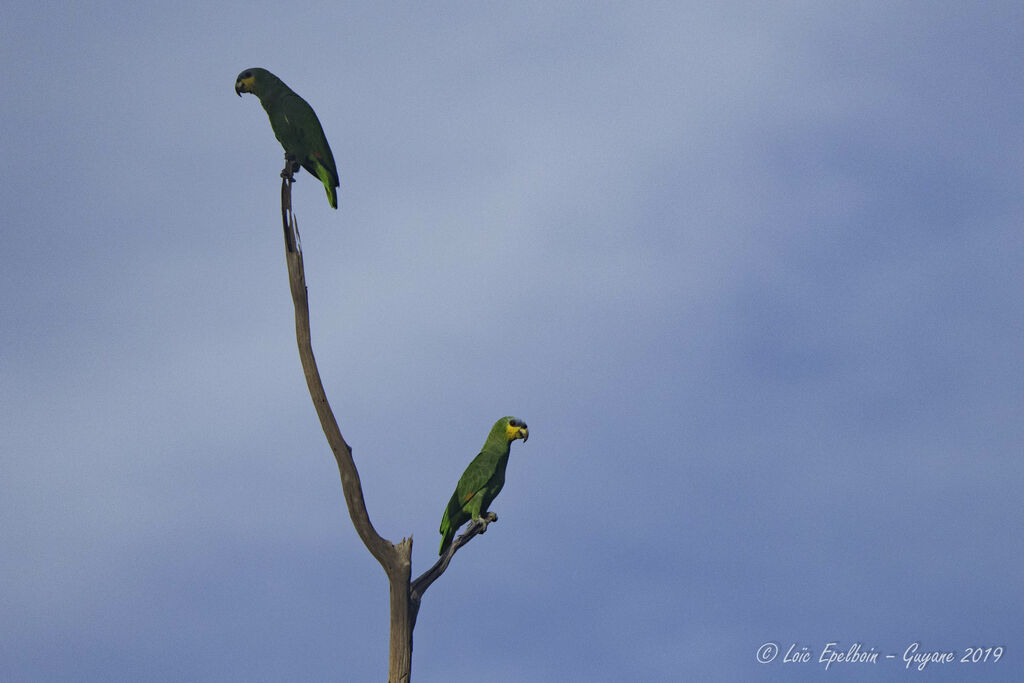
{"points": [[485, 520], [291, 166]]}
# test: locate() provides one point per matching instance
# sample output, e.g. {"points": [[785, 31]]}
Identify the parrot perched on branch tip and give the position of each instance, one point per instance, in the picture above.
{"points": [[295, 124], [482, 480]]}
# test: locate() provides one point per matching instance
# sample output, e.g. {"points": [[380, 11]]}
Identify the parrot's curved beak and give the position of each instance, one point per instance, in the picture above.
{"points": [[526, 433], [239, 88]]}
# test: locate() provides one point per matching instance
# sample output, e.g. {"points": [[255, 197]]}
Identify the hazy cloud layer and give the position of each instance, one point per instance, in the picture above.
{"points": [[751, 275]]}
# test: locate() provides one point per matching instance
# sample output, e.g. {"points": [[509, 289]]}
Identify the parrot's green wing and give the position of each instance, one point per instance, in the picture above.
{"points": [[295, 124], [480, 483], [483, 479]]}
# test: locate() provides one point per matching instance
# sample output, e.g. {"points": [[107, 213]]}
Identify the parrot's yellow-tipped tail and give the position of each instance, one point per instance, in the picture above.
{"points": [[445, 542], [325, 177]]}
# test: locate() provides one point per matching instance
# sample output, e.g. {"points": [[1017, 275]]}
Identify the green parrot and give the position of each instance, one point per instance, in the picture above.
{"points": [[482, 480], [295, 124]]}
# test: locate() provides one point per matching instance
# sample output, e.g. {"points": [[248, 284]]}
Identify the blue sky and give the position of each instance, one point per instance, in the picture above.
{"points": [[751, 273]]}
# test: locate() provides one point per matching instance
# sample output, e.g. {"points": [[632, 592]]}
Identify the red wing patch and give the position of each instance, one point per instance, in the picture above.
{"points": [[467, 498]]}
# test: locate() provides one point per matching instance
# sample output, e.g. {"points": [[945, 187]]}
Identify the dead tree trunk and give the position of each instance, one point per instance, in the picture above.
{"points": [[395, 558]]}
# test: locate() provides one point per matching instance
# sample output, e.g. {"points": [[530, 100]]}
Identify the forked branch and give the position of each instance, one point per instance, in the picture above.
{"points": [[396, 559], [423, 581]]}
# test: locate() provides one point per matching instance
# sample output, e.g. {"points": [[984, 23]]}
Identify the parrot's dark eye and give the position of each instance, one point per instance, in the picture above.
{"points": [[515, 423], [247, 74]]}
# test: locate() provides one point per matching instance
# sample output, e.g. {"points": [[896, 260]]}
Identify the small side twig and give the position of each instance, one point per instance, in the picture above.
{"points": [[419, 586]]}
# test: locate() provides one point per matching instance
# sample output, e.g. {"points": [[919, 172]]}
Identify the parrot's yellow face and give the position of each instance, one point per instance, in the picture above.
{"points": [[246, 82], [516, 429]]}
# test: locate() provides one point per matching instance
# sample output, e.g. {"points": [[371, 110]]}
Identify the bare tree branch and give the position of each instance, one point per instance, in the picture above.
{"points": [[423, 581], [379, 547], [396, 559]]}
